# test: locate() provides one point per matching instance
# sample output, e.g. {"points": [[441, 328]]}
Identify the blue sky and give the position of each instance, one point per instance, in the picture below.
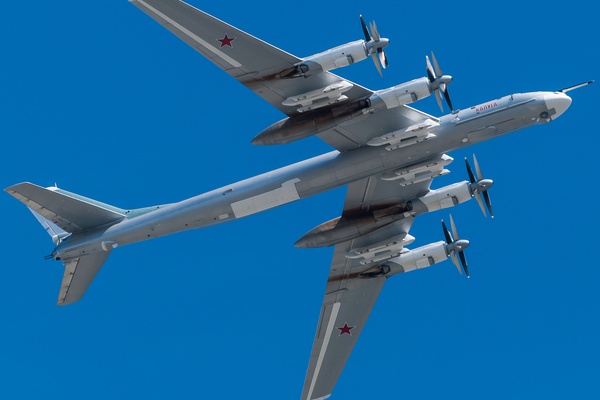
{"points": [[101, 100]]}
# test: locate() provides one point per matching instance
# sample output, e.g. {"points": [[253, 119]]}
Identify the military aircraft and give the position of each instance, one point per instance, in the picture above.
{"points": [[386, 152]]}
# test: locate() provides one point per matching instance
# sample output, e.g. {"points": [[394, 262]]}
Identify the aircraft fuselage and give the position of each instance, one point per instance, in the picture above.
{"points": [[306, 178]]}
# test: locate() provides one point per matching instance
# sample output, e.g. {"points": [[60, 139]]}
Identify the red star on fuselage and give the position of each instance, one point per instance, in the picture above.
{"points": [[226, 41], [346, 329]]}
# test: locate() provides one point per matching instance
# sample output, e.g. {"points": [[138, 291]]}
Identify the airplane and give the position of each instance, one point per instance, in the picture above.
{"points": [[386, 153]]}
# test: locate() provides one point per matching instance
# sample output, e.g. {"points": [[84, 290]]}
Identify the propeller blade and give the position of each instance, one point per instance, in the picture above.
{"points": [[438, 98], [455, 247], [447, 235], [374, 31], [485, 194], [438, 82], [430, 72], [374, 57], [477, 169], [488, 202], [480, 202], [476, 193], [470, 171], [454, 232], [382, 58], [447, 97], [450, 240], [455, 262], [365, 30], [463, 261], [462, 244], [438, 71]]}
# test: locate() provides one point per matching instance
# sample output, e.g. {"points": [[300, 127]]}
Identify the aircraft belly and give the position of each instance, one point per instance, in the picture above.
{"points": [[273, 189]]}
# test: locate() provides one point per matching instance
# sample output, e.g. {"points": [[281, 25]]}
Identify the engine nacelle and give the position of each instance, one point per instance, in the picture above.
{"points": [[319, 118], [340, 56], [310, 123], [419, 258], [445, 197], [345, 228], [402, 94]]}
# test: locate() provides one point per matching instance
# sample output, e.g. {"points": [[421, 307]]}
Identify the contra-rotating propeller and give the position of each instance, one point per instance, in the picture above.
{"points": [[438, 82], [374, 45], [480, 187], [457, 246]]}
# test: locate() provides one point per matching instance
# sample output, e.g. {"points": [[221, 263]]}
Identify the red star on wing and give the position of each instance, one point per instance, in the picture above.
{"points": [[226, 41], [346, 329]]}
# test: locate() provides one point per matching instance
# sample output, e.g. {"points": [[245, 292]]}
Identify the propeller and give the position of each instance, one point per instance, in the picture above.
{"points": [[374, 45], [438, 82], [454, 247], [479, 187]]}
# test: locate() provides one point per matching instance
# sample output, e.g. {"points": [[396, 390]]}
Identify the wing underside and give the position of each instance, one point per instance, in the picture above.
{"points": [[355, 281], [356, 275], [251, 61], [259, 66]]}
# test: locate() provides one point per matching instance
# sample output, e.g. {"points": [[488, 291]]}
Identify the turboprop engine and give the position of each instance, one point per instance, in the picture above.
{"points": [[325, 108], [353, 225], [417, 89], [343, 55], [425, 256]]}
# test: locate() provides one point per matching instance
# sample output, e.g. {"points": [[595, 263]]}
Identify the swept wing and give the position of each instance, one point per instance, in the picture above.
{"points": [[352, 286], [259, 66], [354, 282], [249, 60]]}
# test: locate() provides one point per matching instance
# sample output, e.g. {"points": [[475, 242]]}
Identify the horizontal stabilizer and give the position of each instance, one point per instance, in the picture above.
{"points": [[79, 273], [70, 212]]}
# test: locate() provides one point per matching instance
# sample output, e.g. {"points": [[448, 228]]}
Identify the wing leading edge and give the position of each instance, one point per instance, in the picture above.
{"points": [[251, 61], [259, 65]]}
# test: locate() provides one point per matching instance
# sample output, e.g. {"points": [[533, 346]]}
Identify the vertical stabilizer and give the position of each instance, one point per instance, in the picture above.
{"points": [[56, 233], [63, 214]]}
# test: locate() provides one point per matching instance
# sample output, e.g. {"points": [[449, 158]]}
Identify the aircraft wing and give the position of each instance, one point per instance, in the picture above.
{"points": [[259, 65], [351, 290], [251, 61]]}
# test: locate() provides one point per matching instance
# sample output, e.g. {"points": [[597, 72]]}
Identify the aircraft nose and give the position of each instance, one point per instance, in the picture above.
{"points": [[559, 102]]}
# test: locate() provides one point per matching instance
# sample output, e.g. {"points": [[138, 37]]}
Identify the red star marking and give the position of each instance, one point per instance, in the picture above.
{"points": [[226, 41], [346, 329]]}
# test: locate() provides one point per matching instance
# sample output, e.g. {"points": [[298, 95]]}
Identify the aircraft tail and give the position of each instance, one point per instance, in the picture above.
{"points": [[63, 214], [68, 211]]}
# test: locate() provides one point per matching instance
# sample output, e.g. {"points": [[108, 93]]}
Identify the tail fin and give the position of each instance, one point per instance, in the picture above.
{"points": [[62, 213], [56, 233]]}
